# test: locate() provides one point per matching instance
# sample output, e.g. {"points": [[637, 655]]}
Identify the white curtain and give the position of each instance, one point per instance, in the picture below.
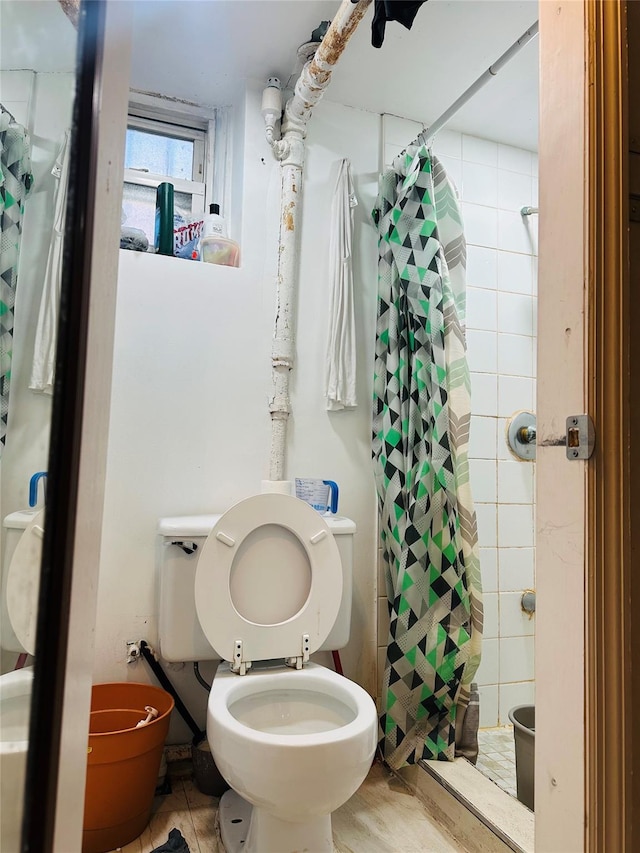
{"points": [[44, 351]]}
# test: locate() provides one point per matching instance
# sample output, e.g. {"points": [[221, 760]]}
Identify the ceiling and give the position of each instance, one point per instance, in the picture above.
{"points": [[200, 50], [36, 35]]}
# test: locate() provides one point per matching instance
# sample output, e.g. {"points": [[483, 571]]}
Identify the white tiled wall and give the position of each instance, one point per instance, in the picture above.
{"points": [[494, 182]]}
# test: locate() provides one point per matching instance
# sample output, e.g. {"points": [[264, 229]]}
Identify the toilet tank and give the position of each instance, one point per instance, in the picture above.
{"points": [[14, 526], [179, 632]]}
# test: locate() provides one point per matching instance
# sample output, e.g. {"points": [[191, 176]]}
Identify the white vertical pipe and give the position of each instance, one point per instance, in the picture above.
{"points": [[282, 352], [310, 86]]}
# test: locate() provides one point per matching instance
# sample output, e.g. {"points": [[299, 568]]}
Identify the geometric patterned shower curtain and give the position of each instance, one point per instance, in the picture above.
{"points": [[15, 182], [420, 448]]}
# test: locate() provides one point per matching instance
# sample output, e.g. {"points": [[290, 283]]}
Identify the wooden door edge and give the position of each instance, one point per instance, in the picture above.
{"points": [[608, 683]]}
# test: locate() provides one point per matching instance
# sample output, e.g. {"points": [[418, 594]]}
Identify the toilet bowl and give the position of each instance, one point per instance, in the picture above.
{"points": [[293, 739], [20, 582], [296, 744]]}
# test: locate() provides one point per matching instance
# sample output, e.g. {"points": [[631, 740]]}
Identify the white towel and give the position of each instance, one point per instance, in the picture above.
{"points": [[340, 386], [44, 351]]}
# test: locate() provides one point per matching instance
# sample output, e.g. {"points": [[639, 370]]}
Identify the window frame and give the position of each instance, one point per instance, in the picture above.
{"points": [[196, 189], [177, 126], [176, 129]]}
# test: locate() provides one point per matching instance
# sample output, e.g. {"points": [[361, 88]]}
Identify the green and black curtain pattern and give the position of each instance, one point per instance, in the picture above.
{"points": [[15, 182], [421, 418]]}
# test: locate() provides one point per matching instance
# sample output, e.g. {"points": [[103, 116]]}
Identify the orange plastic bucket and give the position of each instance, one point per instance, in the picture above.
{"points": [[122, 763]]}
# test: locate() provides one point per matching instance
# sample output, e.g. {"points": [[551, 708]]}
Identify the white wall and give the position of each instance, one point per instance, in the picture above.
{"points": [[494, 181], [189, 421], [43, 103]]}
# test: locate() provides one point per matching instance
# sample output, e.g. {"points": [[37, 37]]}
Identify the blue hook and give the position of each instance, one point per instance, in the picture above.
{"points": [[333, 486], [33, 488]]}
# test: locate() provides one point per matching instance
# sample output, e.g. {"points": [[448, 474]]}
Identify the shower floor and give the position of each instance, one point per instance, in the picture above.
{"points": [[497, 757]]}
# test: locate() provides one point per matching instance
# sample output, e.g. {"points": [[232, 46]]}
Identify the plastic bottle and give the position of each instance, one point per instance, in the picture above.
{"points": [[215, 246], [163, 239], [214, 224]]}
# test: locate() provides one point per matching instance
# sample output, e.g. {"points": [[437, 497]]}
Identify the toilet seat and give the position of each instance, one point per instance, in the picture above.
{"points": [[268, 582], [23, 584]]}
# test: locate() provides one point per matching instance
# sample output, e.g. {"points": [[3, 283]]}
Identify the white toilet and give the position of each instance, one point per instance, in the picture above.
{"points": [[20, 581], [294, 740], [23, 531]]}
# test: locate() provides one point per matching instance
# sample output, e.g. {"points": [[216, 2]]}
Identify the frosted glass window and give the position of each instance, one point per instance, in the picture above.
{"points": [[139, 207], [162, 155]]}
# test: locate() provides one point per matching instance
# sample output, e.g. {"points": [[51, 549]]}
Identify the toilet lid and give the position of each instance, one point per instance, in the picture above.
{"points": [[269, 573], [23, 583]]}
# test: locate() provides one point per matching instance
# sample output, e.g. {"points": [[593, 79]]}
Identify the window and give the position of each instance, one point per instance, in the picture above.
{"points": [[158, 151]]}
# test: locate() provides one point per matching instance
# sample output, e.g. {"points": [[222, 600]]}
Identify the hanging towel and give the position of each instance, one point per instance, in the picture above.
{"points": [[340, 385], [44, 351]]}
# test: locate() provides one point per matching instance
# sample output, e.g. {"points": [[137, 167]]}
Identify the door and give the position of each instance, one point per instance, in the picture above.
{"points": [[584, 638]]}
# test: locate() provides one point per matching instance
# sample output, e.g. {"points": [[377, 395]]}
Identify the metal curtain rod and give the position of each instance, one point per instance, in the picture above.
{"points": [[428, 134]]}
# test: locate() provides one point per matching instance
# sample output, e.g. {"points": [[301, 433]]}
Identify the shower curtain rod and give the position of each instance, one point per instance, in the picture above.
{"points": [[428, 134]]}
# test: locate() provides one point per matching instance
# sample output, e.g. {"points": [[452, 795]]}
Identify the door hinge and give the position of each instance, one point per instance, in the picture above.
{"points": [[581, 437]]}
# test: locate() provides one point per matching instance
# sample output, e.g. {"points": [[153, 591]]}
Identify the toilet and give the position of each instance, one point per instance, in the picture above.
{"points": [[263, 587], [20, 580]]}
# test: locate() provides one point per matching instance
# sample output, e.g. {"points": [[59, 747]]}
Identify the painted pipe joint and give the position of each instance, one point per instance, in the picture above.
{"points": [[280, 148], [279, 408], [293, 149], [282, 353]]}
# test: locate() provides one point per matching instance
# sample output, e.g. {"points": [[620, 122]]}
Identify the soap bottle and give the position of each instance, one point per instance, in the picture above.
{"points": [[215, 246], [163, 239], [214, 224]]}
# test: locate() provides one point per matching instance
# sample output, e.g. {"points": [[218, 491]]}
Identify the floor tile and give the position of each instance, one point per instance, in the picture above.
{"points": [[205, 823], [382, 817], [497, 756], [493, 756], [176, 801], [134, 847], [162, 823], [195, 797]]}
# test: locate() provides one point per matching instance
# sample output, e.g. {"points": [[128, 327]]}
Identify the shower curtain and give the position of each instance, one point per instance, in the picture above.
{"points": [[15, 183], [420, 439]]}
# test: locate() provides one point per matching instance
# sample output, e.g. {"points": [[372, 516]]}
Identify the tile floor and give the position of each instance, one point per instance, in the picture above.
{"points": [[497, 757], [382, 817]]}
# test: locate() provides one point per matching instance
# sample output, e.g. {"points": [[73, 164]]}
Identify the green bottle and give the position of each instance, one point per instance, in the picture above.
{"points": [[163, 239]]}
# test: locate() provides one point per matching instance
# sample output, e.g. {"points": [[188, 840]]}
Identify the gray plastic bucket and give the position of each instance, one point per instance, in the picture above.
{"points": [[523, 718]]}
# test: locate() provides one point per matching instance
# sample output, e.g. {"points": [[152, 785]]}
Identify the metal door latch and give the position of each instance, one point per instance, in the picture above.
{"points": [[581, 437]]}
